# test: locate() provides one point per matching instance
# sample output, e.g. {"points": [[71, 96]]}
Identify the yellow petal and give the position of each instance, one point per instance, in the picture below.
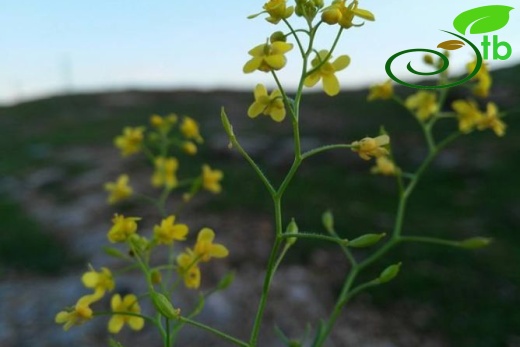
{"points": [[136, 323], [90, 279], [330, 84], [341, 62], [281, 47], [206, 235], [260, 91], [276, 61], [382, 140], [364, 14], [312, 79], [278, 114], [252, 65], [219, 251], [115, 302], [258, 51], [115, 324]]}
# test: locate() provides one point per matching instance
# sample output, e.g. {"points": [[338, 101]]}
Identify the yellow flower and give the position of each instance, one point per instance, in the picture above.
{"points": [[206, 249], [338, 13], [127, 304], [371, 147], [122, 228], [326, 72], [163, 123], [77, 315], [188, 268], [130, 141], [189, 148], [270, 105], [384, 166], [190, 129], [167, 232], [490, 120], [119, 190], [268, 57], [467, 113], [101, 281], [382, 91], [424, 104], [483, 78], [211, 179], [165, 172], [277, 10]]}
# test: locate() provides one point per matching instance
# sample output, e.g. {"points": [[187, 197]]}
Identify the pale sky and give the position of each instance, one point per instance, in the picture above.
{"points": [[51, 46]]}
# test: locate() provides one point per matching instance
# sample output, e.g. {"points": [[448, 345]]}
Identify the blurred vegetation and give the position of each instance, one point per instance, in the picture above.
{"points": [[472, 189]]}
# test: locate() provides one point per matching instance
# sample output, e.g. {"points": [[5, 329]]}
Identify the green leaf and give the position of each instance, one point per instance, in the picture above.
{"points": [[483, 19], [114, 343]]}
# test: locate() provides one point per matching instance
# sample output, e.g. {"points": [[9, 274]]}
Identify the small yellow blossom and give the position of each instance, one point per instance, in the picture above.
{"points": [[168, 231], [165, 172], [190, 129], [483, 78], [424, 104], [127, 304], [122, 228], [163, 123], [468, 114], [268, 57], [339, 13], [188, 268], [490, 120], [270, 105], [383, 91], [77, 315], [130, 141], [385, 166], [119, 190], [211, 179], [371, 147], [277, 10], [206, 249], [189, 148], [326, 72], [101, 281]]}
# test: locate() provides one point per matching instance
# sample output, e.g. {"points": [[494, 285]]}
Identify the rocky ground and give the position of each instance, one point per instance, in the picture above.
{"points": [[75, 211]]}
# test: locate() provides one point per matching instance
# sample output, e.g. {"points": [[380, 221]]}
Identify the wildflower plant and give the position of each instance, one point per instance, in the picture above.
{"points": [[169, 134]]}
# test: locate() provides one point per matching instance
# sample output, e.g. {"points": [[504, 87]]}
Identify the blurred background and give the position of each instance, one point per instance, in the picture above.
{"points": [[74, 74]]}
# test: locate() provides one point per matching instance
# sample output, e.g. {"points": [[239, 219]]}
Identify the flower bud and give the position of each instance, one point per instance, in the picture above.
{"points": [[331, 16], [327, 220], [389, 273], [156, 277], [292, 228], [318, 3], [277, 36], [428, 59], [226, 281], [164, 306], [366, 240], [475, 242]]}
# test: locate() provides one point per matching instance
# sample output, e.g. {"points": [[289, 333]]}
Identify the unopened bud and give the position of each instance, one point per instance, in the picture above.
{"points": [[277, 36], [226, 281], [164, 306], [389, 273], [327, 220], [366, 240], [292, 228], [428, 59], [475, 242], [156, 277]]}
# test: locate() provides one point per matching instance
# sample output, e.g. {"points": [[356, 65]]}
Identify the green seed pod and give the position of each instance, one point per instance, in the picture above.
{"points": [[389, 273], [277, 36], [475, 242], [366, 240], [164, 306], [292, 228], [327, 220]]}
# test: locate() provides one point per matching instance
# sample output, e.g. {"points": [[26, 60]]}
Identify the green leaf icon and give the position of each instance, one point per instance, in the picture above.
{"points": [[483, 19]]}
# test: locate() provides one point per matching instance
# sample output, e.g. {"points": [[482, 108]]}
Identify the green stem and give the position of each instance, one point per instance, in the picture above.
{"points": [[323, 149], [214, 331], [303, 235], [432, 240]]}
